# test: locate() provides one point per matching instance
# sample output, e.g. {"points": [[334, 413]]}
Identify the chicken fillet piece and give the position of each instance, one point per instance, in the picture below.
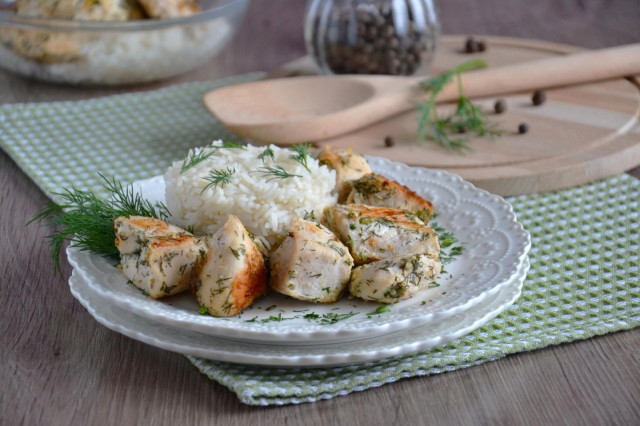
{"points": [[232, 273], [348, 165], [375, 233], [311, 264], [165, 265], [156, 257], [134, 232], [395, 279], [376, 190]]}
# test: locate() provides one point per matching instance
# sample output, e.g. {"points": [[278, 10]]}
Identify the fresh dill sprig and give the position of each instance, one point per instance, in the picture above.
{"points": [[87, 221], [194, 158], [218, 177], [466, 118], [275, 172], [232, 145], [268, 152], [301, 154]]}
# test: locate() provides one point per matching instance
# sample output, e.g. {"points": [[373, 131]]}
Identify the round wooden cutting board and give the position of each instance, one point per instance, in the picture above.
{"points": [[578, 135]]}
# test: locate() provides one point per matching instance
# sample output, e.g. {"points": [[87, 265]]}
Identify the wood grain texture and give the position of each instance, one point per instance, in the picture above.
{"points": [[60, 367], [580, 134]]}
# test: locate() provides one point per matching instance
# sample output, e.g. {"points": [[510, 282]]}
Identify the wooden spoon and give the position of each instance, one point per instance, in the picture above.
{"points": [[305, 109]]}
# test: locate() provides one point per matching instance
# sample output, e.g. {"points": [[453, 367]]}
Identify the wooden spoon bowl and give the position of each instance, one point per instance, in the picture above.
{"points": [[288, 111]]}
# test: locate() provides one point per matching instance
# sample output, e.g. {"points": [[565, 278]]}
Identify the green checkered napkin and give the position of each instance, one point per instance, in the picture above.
{"points": [[584, 277]]}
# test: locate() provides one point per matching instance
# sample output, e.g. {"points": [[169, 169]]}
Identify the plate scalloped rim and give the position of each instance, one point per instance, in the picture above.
{"points": [[496, 246], [394, 344]]}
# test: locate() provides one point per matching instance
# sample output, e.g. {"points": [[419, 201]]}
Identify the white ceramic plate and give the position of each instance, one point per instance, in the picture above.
{"points": [[495, 248], [324, 355]]}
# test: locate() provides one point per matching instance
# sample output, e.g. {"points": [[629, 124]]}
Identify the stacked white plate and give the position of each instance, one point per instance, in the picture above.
{"points": [[278, 331]]}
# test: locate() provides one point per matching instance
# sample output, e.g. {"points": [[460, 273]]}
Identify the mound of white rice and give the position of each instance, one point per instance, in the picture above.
{"points": [[265, 205]]}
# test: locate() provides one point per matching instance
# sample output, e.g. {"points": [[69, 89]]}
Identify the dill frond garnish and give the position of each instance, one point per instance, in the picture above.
{"points": [[467, 118], [301, 154], [268, 152], [196, 157], [232, 145], [275, 172], [218, 177], [87, 221]]}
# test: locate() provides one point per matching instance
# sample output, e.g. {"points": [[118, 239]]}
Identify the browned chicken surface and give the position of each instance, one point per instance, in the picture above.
{"points": [[134, 232], [375, 233], [158, 258], [376, 190], [232, 274]]}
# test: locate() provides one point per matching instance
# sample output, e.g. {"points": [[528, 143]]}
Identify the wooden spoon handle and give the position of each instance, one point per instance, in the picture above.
{"points": [[579, 68]]}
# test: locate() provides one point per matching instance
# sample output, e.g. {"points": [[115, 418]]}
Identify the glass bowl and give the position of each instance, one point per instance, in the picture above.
{"points": [[393, 37], [113, 53]]}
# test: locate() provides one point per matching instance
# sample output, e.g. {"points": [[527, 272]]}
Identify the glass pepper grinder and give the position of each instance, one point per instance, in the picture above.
{"points": [[394, 37]]}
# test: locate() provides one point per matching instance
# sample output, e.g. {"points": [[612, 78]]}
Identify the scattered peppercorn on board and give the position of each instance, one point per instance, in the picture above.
{"points": [[574, 136]]}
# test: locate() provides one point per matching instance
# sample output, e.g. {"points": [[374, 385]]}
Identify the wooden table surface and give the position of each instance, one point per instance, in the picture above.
{"points": [[59, 366]]}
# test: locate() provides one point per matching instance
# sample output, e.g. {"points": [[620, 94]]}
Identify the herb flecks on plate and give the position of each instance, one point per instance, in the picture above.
{"points": [[321, 319], [87, 221], [379, 310], [466, 118], [450, 246], [328, 318]]}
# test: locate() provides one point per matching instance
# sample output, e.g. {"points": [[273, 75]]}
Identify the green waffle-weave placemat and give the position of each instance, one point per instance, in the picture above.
{"points": [[583, 281]]}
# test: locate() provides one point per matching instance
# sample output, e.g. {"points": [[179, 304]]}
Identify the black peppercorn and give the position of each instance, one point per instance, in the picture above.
{"points": [[389, 142], [482, 46], [471, 45], [523, 128], [539, 97], [500, 106]]}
